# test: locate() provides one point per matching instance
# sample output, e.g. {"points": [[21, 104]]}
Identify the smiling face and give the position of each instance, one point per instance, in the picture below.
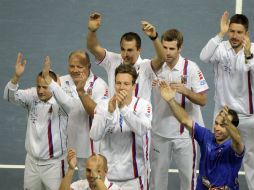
{"points": [[42, 89], [236, 35], [129, 51], [95, 166], [77, 65], [220, 132]]}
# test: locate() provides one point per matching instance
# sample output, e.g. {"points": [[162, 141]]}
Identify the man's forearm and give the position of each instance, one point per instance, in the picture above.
{"points": [[180, 114], [14, 79], [197, 98], [88, 103], [66, 181], [160, 58], [91, 40], [236, 138]]}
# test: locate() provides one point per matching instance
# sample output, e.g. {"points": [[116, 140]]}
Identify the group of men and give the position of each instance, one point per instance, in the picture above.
{"points": [[112, 133]]}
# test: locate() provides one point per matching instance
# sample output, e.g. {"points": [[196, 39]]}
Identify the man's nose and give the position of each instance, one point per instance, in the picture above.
{"points": [[75, 69]]}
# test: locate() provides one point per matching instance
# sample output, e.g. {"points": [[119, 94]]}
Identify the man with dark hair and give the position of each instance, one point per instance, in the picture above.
{"points": [[120, 125], [46, 137], [233, 65], [96, 171], [221, 152], [127, 69], [130, 36], [240, 19], [130, 44], [80, 117], [175, 144]]}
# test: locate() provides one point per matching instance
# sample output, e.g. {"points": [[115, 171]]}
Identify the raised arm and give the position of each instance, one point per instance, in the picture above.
{"points": [[233, 132], [168, 94], [151, 32], [224, 24], [209, 49], [66, 102], [11, 89], [72, 161], [19, 68], [93, 45], [249, 58]]}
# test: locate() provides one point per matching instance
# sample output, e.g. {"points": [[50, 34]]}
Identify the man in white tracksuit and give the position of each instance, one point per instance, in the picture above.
{"points": [[130, 49], [233, 65], [80, 118], [121, 124], [46, 134]]}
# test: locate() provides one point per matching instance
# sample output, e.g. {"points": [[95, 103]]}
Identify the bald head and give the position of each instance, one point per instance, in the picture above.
{"points": [[100, 161], [81, 56]]}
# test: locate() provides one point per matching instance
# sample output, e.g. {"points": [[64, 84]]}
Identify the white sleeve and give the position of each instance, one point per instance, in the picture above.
{"points": [[100, 90], [103, 121], [139, 121], [198, 82], [208, 53], [65, 101], [18, 97], [110, 61]]}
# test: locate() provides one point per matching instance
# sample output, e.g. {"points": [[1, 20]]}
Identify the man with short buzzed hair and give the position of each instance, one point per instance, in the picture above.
{"points": [[96, 170]]}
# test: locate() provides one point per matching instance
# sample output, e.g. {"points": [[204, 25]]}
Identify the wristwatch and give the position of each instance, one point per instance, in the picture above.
{"points": [[249, 57]]}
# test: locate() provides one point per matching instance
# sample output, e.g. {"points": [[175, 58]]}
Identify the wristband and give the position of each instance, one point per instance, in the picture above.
{"points": [[249, 57], [154, 38], [92, 30]]}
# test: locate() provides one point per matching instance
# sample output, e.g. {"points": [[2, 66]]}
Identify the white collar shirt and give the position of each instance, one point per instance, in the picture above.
{"points": [[143, 66], [164, 122]]}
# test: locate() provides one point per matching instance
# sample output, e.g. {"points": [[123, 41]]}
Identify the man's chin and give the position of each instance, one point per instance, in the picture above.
{"points": [[91, 184], [43, 98], [127, 62], [76, 79], [235, 45]]}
